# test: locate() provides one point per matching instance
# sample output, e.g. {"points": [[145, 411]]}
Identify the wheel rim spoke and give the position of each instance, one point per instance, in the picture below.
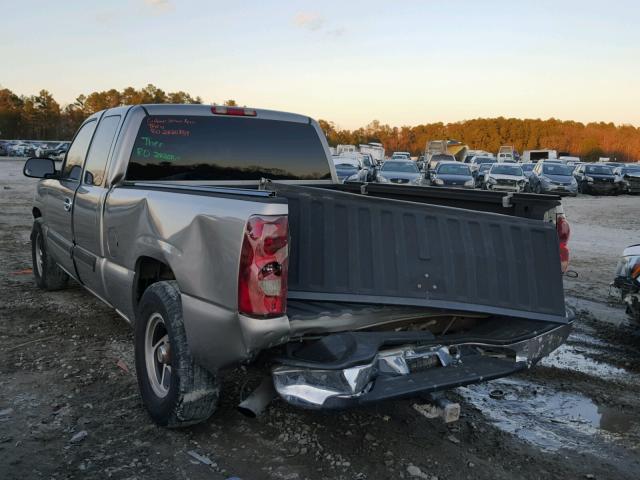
{"points": [[165, 379], [160, 342], [157, 359]]}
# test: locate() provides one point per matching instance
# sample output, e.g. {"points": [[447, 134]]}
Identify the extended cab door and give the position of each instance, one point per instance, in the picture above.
{"points": [[60, 195], [87, 210]]}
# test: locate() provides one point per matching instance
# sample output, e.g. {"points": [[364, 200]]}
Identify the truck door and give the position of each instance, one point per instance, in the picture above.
{"points": [[87, 211], [59, 206]]}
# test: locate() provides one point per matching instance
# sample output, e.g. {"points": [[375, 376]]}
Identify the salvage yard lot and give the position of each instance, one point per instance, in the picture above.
{"points": [[66, 367]]}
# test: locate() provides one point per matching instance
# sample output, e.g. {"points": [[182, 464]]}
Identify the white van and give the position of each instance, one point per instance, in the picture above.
{"points": [[535, 155]]}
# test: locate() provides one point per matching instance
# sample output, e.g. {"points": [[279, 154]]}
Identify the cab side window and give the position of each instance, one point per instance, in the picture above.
{"points": [[99, 151], [77, 152]]}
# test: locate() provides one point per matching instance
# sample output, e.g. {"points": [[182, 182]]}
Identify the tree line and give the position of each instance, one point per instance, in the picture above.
{"points": [[41, 117]]}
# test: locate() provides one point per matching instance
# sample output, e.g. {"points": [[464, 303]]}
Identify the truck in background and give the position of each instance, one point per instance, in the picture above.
{"points": [[376, 150], [446, 147]]}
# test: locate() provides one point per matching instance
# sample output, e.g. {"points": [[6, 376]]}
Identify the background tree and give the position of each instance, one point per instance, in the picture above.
{"points": [[41, 117]]}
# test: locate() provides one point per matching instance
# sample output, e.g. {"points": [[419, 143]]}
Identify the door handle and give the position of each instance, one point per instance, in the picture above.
{"points": [[67, 204]]}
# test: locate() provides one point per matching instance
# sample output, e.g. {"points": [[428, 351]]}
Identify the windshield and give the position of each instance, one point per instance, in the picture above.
{"points": [[484, 167], [404, 167], [190, 147], [502, 169], [527, 167], [556, 169], [599, 169], [631, 168], [453, 169], [443, 158], [346, 167]]}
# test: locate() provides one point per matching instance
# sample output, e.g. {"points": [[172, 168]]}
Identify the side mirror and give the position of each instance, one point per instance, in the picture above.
{"points": [[39, 168]]}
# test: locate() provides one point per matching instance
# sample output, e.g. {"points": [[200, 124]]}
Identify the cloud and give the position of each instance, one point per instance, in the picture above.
{"points": [[337, 32], [316, 23], [159, 6], [310, 21]]}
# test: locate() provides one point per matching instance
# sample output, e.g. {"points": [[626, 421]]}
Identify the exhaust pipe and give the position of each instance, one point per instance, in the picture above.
{"points": [[259, 399]]}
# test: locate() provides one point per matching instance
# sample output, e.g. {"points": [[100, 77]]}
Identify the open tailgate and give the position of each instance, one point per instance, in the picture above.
{"points": [[354, 248]]}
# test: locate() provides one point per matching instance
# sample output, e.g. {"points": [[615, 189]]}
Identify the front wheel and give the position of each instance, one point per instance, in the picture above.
{"points": [[176, 391], [48, 275]]}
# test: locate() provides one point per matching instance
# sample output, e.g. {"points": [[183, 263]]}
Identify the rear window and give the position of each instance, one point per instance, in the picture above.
{"points": [[226, 148]]}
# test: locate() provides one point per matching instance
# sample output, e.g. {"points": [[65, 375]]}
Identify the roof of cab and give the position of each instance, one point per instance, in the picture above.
{"points": [[205, 110]]}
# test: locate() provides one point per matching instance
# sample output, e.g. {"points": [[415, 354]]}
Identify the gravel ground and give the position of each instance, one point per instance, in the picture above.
{"points": [[69, 405]]}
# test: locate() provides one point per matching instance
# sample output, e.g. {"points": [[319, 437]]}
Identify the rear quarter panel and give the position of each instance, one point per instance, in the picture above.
{"points": [[199, 237]]}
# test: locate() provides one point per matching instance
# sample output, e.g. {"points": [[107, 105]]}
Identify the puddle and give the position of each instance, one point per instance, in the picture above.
{"points": [[569, 357], [545, 417]]}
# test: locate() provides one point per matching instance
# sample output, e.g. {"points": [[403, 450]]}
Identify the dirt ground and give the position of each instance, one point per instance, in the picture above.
{"points": [[69, 403]]}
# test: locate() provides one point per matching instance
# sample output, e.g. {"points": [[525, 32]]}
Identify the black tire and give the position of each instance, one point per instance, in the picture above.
{"points": [[193, 392], [48, 275]]}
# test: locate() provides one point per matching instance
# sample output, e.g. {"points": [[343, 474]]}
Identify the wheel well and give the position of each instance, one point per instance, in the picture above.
{"points": [[36, 212], [148, 271]]}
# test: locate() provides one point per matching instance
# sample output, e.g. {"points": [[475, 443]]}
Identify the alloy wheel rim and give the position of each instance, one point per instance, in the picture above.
{"points": [[39, 255], [157, 353]]}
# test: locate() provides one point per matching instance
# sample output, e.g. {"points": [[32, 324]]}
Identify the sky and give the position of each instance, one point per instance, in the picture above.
{"points": [[404, 63]]}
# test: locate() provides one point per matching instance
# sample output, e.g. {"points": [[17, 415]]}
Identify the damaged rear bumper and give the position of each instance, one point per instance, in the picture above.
{"points": [[356, 368]]}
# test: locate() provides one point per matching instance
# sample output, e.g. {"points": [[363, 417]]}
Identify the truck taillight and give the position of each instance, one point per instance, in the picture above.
{"points": [[264, 259], [564, 231]]}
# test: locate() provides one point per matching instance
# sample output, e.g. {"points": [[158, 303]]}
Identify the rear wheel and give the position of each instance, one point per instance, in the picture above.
{"points": [[176, 391], [48, 275]]}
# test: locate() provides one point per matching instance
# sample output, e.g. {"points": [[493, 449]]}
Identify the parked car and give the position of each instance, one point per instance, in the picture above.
{"points": [[479, 160], [346, 167], [569, 160], [597, 178], [629, 175], [223, 236], [437, 158], [4, 149], [452, 174], [401, 172], [480, 174], [627, 280], [401, 156], [553, 177], [60, 151], [506, 177], [527, 171]]}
